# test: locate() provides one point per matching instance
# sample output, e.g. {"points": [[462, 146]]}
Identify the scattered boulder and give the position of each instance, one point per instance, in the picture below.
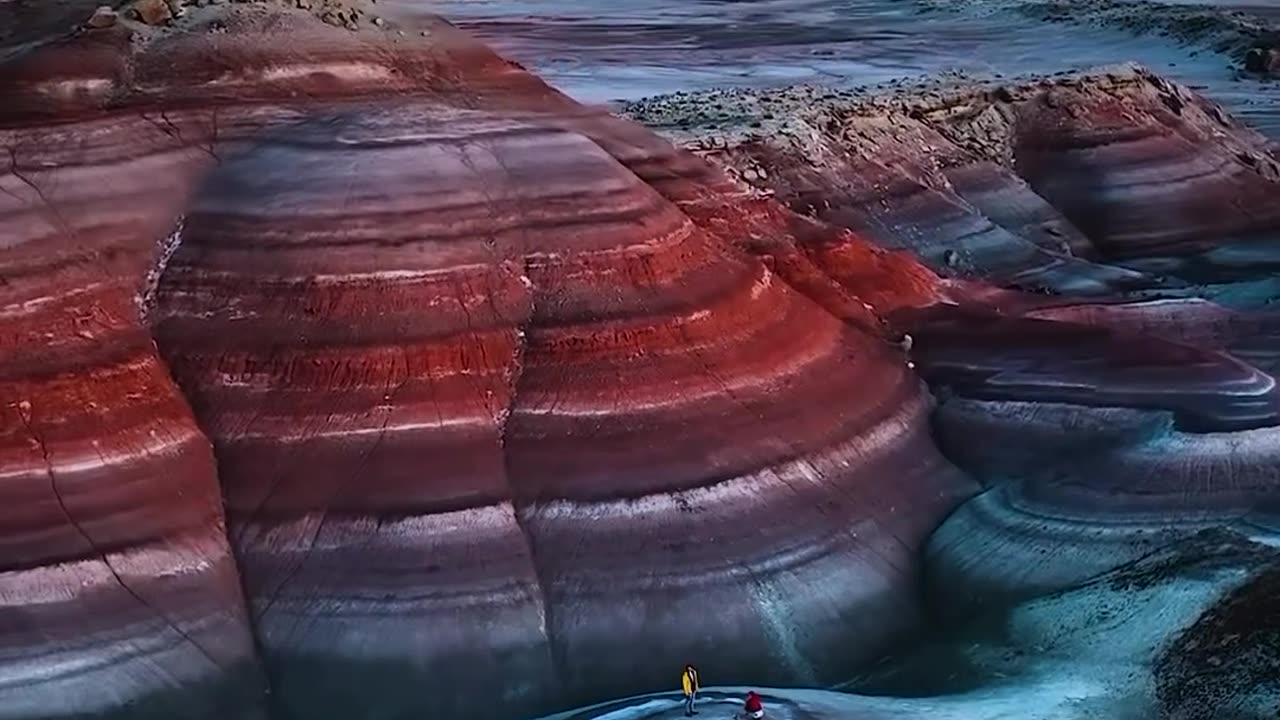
{"points": [[103, 17], [340, 15], [1262, 60], [153, 12]]}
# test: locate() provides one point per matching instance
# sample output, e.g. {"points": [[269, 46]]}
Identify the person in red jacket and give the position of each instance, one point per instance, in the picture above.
{"points": [[752, 708]]}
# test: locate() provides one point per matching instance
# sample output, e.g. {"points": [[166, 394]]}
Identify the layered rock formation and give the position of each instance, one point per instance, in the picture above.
{"points": [[514, 406], [1084, 184], [504, 392], [1110, 425], [115, 572]]}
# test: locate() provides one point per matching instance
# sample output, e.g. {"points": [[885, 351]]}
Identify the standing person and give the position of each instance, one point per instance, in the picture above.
{"points": [[753, 709], [689, 683]]}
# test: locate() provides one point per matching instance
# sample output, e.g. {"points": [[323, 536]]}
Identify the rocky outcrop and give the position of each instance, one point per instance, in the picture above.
{"points": [[1262, 60], [1210, 667], [1146, 175], [352, 348]]}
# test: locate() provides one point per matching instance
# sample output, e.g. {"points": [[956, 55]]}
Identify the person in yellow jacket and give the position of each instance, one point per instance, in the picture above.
{"points": [[689, 683]]}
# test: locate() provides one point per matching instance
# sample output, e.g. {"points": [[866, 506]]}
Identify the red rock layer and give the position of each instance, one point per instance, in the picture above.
{"points": [[517, 407], [849, 276], [664, 408], [505, 393], [906, 167], [890, 198], [1032, 186], [884, 170], [374, 315], [1149, 170], [1104, 427], [344, 311], [117, 587]]}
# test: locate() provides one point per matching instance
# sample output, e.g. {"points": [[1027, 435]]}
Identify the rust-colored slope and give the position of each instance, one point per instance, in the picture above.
{"points": [[116, 578]]}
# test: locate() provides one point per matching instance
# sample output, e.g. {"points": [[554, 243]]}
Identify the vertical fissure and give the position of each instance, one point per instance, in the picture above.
{"points": [[556, 651], [24, 414]]}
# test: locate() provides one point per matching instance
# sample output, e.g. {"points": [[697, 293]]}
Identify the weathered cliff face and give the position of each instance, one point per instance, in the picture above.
{"points": [[506, 394]]}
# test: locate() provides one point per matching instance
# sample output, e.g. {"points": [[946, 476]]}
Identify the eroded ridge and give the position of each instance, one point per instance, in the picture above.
{"points": [[487, 373], [501, 386], [1127, 404], [116, 578]]}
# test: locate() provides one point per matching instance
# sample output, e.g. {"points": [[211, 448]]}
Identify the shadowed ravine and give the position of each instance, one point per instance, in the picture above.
{"points": [[361, 374]]}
